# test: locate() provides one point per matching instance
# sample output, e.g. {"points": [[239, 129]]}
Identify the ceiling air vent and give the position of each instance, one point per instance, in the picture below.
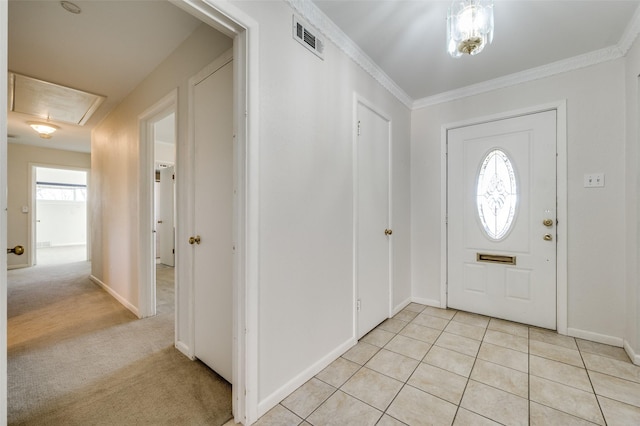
{"points": [[307, 37]]}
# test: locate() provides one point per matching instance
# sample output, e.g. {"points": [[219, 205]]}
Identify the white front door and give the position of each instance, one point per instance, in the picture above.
{"points": [[213, 218], [502, 219], [372, 231], [165, 226]]}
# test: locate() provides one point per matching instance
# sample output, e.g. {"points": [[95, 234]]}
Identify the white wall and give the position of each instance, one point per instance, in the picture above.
{"points": [[115, 149], [306, 302], [632, 166], [19, 194], [596, 228]]}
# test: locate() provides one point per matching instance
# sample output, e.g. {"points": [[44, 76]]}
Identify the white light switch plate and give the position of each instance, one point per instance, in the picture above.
{"points": [[594, 180]]}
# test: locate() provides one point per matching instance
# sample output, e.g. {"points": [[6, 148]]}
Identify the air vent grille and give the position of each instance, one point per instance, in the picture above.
{"points": [[306, 37]]}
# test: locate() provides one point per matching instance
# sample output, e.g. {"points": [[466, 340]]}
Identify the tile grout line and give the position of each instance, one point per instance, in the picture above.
{"points": [[469, 378]]}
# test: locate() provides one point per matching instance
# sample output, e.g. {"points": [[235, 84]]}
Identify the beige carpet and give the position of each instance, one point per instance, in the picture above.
{"points": [[77, 357]]}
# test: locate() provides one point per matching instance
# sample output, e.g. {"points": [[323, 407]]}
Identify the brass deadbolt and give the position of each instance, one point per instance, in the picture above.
{"points": [[388, 232]]}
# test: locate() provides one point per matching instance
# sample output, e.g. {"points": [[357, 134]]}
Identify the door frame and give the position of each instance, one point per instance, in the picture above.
{"points": [[360, 100], [244, 31], [561, 199], [147, 268], [32, 215]]}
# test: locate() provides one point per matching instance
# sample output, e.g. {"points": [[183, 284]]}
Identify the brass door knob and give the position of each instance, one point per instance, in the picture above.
{"points": [[388, 232], [547, 222], [547, 237], [194, 240], [18, 250]]}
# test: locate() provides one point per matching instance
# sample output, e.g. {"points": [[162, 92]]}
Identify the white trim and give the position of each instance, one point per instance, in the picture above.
{"points": [[532, 74], [147, 256], [595, 337], [19, 266], [3, 210], [635, 358], [561, 196], [184, 349], [314, 16], [274, 399], [630, 33], [428, 302], [115, 295], [400, 306], [232, 21]]}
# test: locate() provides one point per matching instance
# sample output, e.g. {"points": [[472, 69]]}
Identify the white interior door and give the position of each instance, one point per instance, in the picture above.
{"points": [[502, 219], [373, 230], [213, 256], [165, 226]]}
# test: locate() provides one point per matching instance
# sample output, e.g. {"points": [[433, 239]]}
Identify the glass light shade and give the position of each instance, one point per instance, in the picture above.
{"points": [[43, 129], [469, 27]]}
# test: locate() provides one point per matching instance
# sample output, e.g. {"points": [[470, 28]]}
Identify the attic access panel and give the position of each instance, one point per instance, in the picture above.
{"points": [[50, 101]]}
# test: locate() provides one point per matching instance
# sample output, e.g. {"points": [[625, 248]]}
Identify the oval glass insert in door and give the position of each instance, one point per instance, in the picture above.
{"points": [[496, 194]]}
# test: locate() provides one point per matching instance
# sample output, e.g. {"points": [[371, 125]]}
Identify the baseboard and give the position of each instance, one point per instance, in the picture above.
{"points": [[20, 266], [428, 302], [595, 337], [400, 307], [182, 347], [635, 358], [276, 397], [115, 295]]}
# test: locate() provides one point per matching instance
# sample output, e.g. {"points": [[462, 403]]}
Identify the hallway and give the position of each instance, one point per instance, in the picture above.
{"points": [[76, 356]]}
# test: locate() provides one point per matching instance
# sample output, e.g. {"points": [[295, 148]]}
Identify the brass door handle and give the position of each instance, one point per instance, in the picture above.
{"points": [[16, 250], [194, 240], [547, 222], [547, 237], [388, 232]]}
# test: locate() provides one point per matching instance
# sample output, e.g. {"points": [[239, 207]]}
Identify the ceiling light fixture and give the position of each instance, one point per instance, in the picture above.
{"points": [[71, 7], [469, 27], [43, 129]]}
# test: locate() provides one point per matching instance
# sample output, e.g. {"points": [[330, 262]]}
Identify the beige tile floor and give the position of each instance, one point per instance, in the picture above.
{"points": [[429, 366]]}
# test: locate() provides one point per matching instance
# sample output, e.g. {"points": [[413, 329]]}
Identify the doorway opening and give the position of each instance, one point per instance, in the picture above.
{"points": [[164, 141], [59, 215], [158, 140]]}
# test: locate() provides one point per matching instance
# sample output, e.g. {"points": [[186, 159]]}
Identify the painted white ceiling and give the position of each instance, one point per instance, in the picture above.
{"points": [[108, 50], [406, 38], [113, 45]]}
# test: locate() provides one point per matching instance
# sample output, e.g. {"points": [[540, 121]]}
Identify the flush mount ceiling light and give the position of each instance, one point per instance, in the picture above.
{"points": [[70, 7], [469, 27], [43, 129]]}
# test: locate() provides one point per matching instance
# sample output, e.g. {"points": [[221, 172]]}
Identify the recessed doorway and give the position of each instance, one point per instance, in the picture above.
{"points": [[59, 200]]}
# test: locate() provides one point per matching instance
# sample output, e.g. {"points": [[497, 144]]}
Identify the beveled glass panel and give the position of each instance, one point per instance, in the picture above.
{"points": [[496, 194]]}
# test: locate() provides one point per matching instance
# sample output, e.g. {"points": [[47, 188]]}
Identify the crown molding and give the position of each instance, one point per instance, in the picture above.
{"points": [[630, 33], [559, 67], [571, 64], [315, 17]]}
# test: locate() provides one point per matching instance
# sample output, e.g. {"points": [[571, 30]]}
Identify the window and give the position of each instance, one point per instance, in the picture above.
{"points": [[60, 192], [496, 194]]}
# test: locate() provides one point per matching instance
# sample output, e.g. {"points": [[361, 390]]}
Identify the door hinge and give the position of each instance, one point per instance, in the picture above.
{"points": [[358, 127], [173, 176], [358, 305], [173, 251]]}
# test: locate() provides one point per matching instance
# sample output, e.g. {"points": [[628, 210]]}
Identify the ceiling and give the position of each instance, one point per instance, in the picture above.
{"points": [[106, 50], [406, 38]]}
